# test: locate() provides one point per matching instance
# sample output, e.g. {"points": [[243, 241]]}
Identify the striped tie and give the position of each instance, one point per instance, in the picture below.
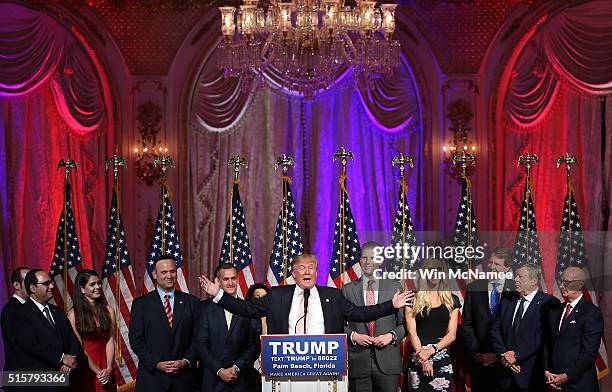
{"points": [[168, 308], [371, 300]]}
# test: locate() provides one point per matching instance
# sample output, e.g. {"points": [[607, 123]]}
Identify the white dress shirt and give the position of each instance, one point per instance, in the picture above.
{"points": [[21, 300], [42, 307], [315, 323], [528, 299], [573, 303]]}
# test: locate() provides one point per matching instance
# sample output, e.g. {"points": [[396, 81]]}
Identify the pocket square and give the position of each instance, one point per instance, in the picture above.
{"points": [[573, 322]]}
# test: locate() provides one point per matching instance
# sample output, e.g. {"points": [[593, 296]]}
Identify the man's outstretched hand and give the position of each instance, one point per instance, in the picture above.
{"points": [[402, 299], [209, 287]]}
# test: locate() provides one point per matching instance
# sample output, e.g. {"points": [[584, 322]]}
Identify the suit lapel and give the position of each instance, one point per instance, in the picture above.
{"points": [[358, 293], [325, 306], [177, 311], [572, 316], [484, 298], [232, 323], [531, 310], [286, 299]]}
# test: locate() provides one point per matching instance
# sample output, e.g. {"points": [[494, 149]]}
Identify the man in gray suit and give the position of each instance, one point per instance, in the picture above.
{"points": [[375, 362]]}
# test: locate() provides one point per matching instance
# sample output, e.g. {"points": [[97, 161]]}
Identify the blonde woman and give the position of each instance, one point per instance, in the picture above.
{"points": [[432, 327]]}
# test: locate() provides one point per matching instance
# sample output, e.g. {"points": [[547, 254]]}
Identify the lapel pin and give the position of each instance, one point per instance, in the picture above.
{"points": [[326, 299]]}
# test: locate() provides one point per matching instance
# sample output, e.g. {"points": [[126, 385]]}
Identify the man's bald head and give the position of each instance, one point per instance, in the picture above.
{"points": [[572, 282]]}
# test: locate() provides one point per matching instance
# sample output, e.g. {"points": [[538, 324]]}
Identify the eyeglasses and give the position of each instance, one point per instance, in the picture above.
{"points": [[45, 283], [567, 283]]}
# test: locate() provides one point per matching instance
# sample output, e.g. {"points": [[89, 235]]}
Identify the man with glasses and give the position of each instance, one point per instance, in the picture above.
{"points": [[44, 338], [574, 336]]}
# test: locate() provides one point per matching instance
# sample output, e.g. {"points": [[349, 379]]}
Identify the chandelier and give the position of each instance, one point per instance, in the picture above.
{"points": [[304, 45]]}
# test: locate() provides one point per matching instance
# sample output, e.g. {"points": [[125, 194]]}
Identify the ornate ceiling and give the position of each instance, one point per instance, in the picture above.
{"points": [[149, 32]]}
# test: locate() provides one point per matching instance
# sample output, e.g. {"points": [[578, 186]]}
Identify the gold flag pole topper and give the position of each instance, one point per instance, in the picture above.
{"points": [[284, 162], [527, 160], [464, 159], [116, 162], [568, 160], [164, 161], [343, 154], [401, 160], [236, 161], [68, 164]]}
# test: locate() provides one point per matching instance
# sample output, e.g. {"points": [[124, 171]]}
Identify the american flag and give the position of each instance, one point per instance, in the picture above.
{"points": [[571, 251], [119, 291], [66, 251], [465, 234], [344, 266], [527, 244], [287, 241], [403, 233], [236, 248], [165, 241]]}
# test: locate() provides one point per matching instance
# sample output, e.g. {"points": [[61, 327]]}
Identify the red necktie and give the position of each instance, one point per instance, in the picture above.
{"points": [[168, 308], [370, 300], [568, 309]]}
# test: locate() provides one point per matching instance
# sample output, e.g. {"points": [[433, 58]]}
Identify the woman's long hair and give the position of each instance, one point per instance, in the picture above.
{"points": [[86, 313], [255, 286], [422, 299]]}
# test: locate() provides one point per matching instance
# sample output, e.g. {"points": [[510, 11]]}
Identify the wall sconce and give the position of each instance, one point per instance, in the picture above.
{"points": [[149, 124], [460, 114]]}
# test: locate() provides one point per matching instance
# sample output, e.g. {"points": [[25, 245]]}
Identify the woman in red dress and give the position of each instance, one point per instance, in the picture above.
{"points": [[94, 323]]}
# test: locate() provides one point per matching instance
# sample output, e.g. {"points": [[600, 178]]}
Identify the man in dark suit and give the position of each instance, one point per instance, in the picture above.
{"points": [[229, 343], [574, 335], [283, 307], [375, 361], [9, 312], [517, 333], [162, 333], [44, 340], [482, 299]]}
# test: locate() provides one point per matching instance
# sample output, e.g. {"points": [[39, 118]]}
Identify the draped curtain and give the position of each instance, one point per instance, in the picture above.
{"points": [[53, 104], [554, 105], [375, 124]]}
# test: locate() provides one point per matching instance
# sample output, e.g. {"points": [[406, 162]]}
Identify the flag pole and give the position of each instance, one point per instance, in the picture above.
{"points": [[67, 164], [343, 154], [284, 161], [463, 159], [526, 161], [401, 160], [164, 161], [568, 160], [235, 161], [116, 162]]}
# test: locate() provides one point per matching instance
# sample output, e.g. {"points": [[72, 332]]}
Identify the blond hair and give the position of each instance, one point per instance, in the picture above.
{"points": [[306, 257], [422, 299]]}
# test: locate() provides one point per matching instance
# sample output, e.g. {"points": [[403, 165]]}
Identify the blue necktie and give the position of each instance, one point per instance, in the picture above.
{"points": [[494, 299]]}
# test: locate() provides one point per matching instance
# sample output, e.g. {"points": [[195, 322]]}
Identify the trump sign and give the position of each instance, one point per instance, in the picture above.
{"points": [[303, 355]]}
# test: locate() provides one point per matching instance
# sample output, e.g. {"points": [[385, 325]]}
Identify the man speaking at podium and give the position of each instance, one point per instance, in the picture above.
{"points": [[304, 307]]}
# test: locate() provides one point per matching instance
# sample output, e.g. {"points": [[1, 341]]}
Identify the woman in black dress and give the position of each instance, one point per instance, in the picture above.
{"points": [[432, 327]]}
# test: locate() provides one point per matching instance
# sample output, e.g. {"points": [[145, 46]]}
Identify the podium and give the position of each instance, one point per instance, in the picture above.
{"points": [[304, 363]]}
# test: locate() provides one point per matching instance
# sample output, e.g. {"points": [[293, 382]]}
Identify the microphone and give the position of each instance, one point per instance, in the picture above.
{"points": [[306, 296]]}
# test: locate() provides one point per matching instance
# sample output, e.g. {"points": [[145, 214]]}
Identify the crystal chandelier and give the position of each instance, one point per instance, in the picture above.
{"points": [[306, 44]]}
